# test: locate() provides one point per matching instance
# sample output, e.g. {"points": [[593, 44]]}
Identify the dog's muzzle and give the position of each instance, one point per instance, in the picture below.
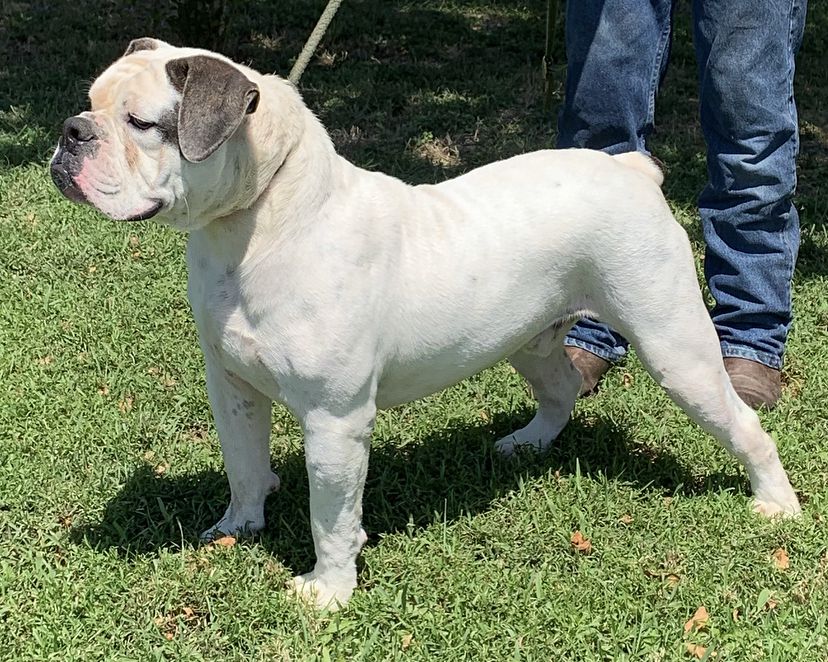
{"points": [[78, 141], [62, 178]]}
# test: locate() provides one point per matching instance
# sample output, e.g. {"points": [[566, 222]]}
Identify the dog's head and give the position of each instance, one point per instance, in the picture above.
{"points": [[167, 135]]}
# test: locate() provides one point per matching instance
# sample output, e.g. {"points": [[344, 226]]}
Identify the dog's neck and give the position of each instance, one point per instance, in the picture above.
{"points": [[294, 158], [301, 157]]}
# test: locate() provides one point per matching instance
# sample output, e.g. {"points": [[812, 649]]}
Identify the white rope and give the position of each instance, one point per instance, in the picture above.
{"points": [[313, 41]]}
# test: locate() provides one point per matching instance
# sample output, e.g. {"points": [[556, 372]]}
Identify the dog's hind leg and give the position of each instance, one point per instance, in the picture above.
{"points": [[667, 322], [692, 372], [555, 382]]}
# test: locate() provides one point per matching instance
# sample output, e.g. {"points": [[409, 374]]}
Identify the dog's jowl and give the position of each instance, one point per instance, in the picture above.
{"points": [[337, 291]]}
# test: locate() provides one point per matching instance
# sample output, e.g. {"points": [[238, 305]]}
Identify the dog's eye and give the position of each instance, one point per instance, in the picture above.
{"points": [[140, 124]]}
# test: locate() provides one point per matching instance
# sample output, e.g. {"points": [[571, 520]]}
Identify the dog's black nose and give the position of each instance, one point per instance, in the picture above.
{"points": [[78, 131]]}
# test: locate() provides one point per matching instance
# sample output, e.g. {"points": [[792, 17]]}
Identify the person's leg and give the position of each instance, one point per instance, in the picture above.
{"points": [[745, 51], [617, 53]]}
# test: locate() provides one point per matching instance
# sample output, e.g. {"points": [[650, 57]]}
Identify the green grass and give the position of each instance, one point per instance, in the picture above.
{"points": [[109, 464]]}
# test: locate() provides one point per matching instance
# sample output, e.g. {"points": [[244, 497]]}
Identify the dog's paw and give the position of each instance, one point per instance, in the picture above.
{"points": [[243, 520], [541, 431], [231, 525], [773, 496], [515, 443], [240, 524], [775, 509], [323, 594]]}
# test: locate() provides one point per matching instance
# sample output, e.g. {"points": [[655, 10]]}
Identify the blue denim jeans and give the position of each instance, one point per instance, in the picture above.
{"points": [[617, 52]]}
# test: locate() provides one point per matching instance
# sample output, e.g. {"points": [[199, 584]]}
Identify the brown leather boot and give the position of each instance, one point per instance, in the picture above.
{"points": [[757, 384], [591, 367]]}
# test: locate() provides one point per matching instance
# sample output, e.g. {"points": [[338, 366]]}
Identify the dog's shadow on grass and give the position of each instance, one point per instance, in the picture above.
{"points": [[448, 474]]}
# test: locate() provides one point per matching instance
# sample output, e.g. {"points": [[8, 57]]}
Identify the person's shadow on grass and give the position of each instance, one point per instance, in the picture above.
{"points": [[449, 473]]}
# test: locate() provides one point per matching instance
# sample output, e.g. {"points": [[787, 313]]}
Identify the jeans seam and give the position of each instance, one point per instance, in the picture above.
{"points": [[742, 352], [612, 357], [793, 150], [654, 78]]}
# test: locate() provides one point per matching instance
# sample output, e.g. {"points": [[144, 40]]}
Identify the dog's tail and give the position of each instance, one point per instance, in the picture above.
{"points": [[643, 163]]}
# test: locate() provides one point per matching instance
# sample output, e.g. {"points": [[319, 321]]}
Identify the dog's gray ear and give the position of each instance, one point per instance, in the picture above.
{"points": [[143, 44], [215, 97]]}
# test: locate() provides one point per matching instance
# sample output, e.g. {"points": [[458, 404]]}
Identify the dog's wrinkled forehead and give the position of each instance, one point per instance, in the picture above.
{"points": [[130, 79]]}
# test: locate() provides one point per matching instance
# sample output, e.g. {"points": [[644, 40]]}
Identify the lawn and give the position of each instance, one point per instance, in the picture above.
{"points": [[109, 462]]}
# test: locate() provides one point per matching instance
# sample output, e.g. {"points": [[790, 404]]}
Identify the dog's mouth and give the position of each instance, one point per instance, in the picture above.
{"points": [[63, 171], [152, 211], [64, 181]]}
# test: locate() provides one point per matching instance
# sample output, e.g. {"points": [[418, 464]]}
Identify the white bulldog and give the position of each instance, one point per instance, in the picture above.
{"points": [[337, 291]]}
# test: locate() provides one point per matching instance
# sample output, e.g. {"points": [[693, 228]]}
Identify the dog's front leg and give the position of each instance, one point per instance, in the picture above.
{"points": [[242, 416], [336, 456]]}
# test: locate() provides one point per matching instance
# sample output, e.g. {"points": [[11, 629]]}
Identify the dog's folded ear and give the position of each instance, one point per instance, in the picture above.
{"points": [[215, 97], [143, 44]]}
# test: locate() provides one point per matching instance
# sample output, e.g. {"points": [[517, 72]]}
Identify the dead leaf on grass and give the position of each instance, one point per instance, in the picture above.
{"points": [[669, 577], [698, 621], [580, 543], [438, 151], [780, 559], [698, 651], [326, 58], [167, 626], [197, 433]]}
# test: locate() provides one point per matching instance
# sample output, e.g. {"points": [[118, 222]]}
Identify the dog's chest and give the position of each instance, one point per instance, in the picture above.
{"points": [[231, 332]]}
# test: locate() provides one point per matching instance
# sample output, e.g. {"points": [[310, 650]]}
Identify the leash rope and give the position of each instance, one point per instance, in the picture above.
{"points": [[333, 5], [313, 41]]}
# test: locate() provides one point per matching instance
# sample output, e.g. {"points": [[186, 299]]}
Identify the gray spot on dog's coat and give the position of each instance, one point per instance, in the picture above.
{"points": [[141, 44], [168, 125]]}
